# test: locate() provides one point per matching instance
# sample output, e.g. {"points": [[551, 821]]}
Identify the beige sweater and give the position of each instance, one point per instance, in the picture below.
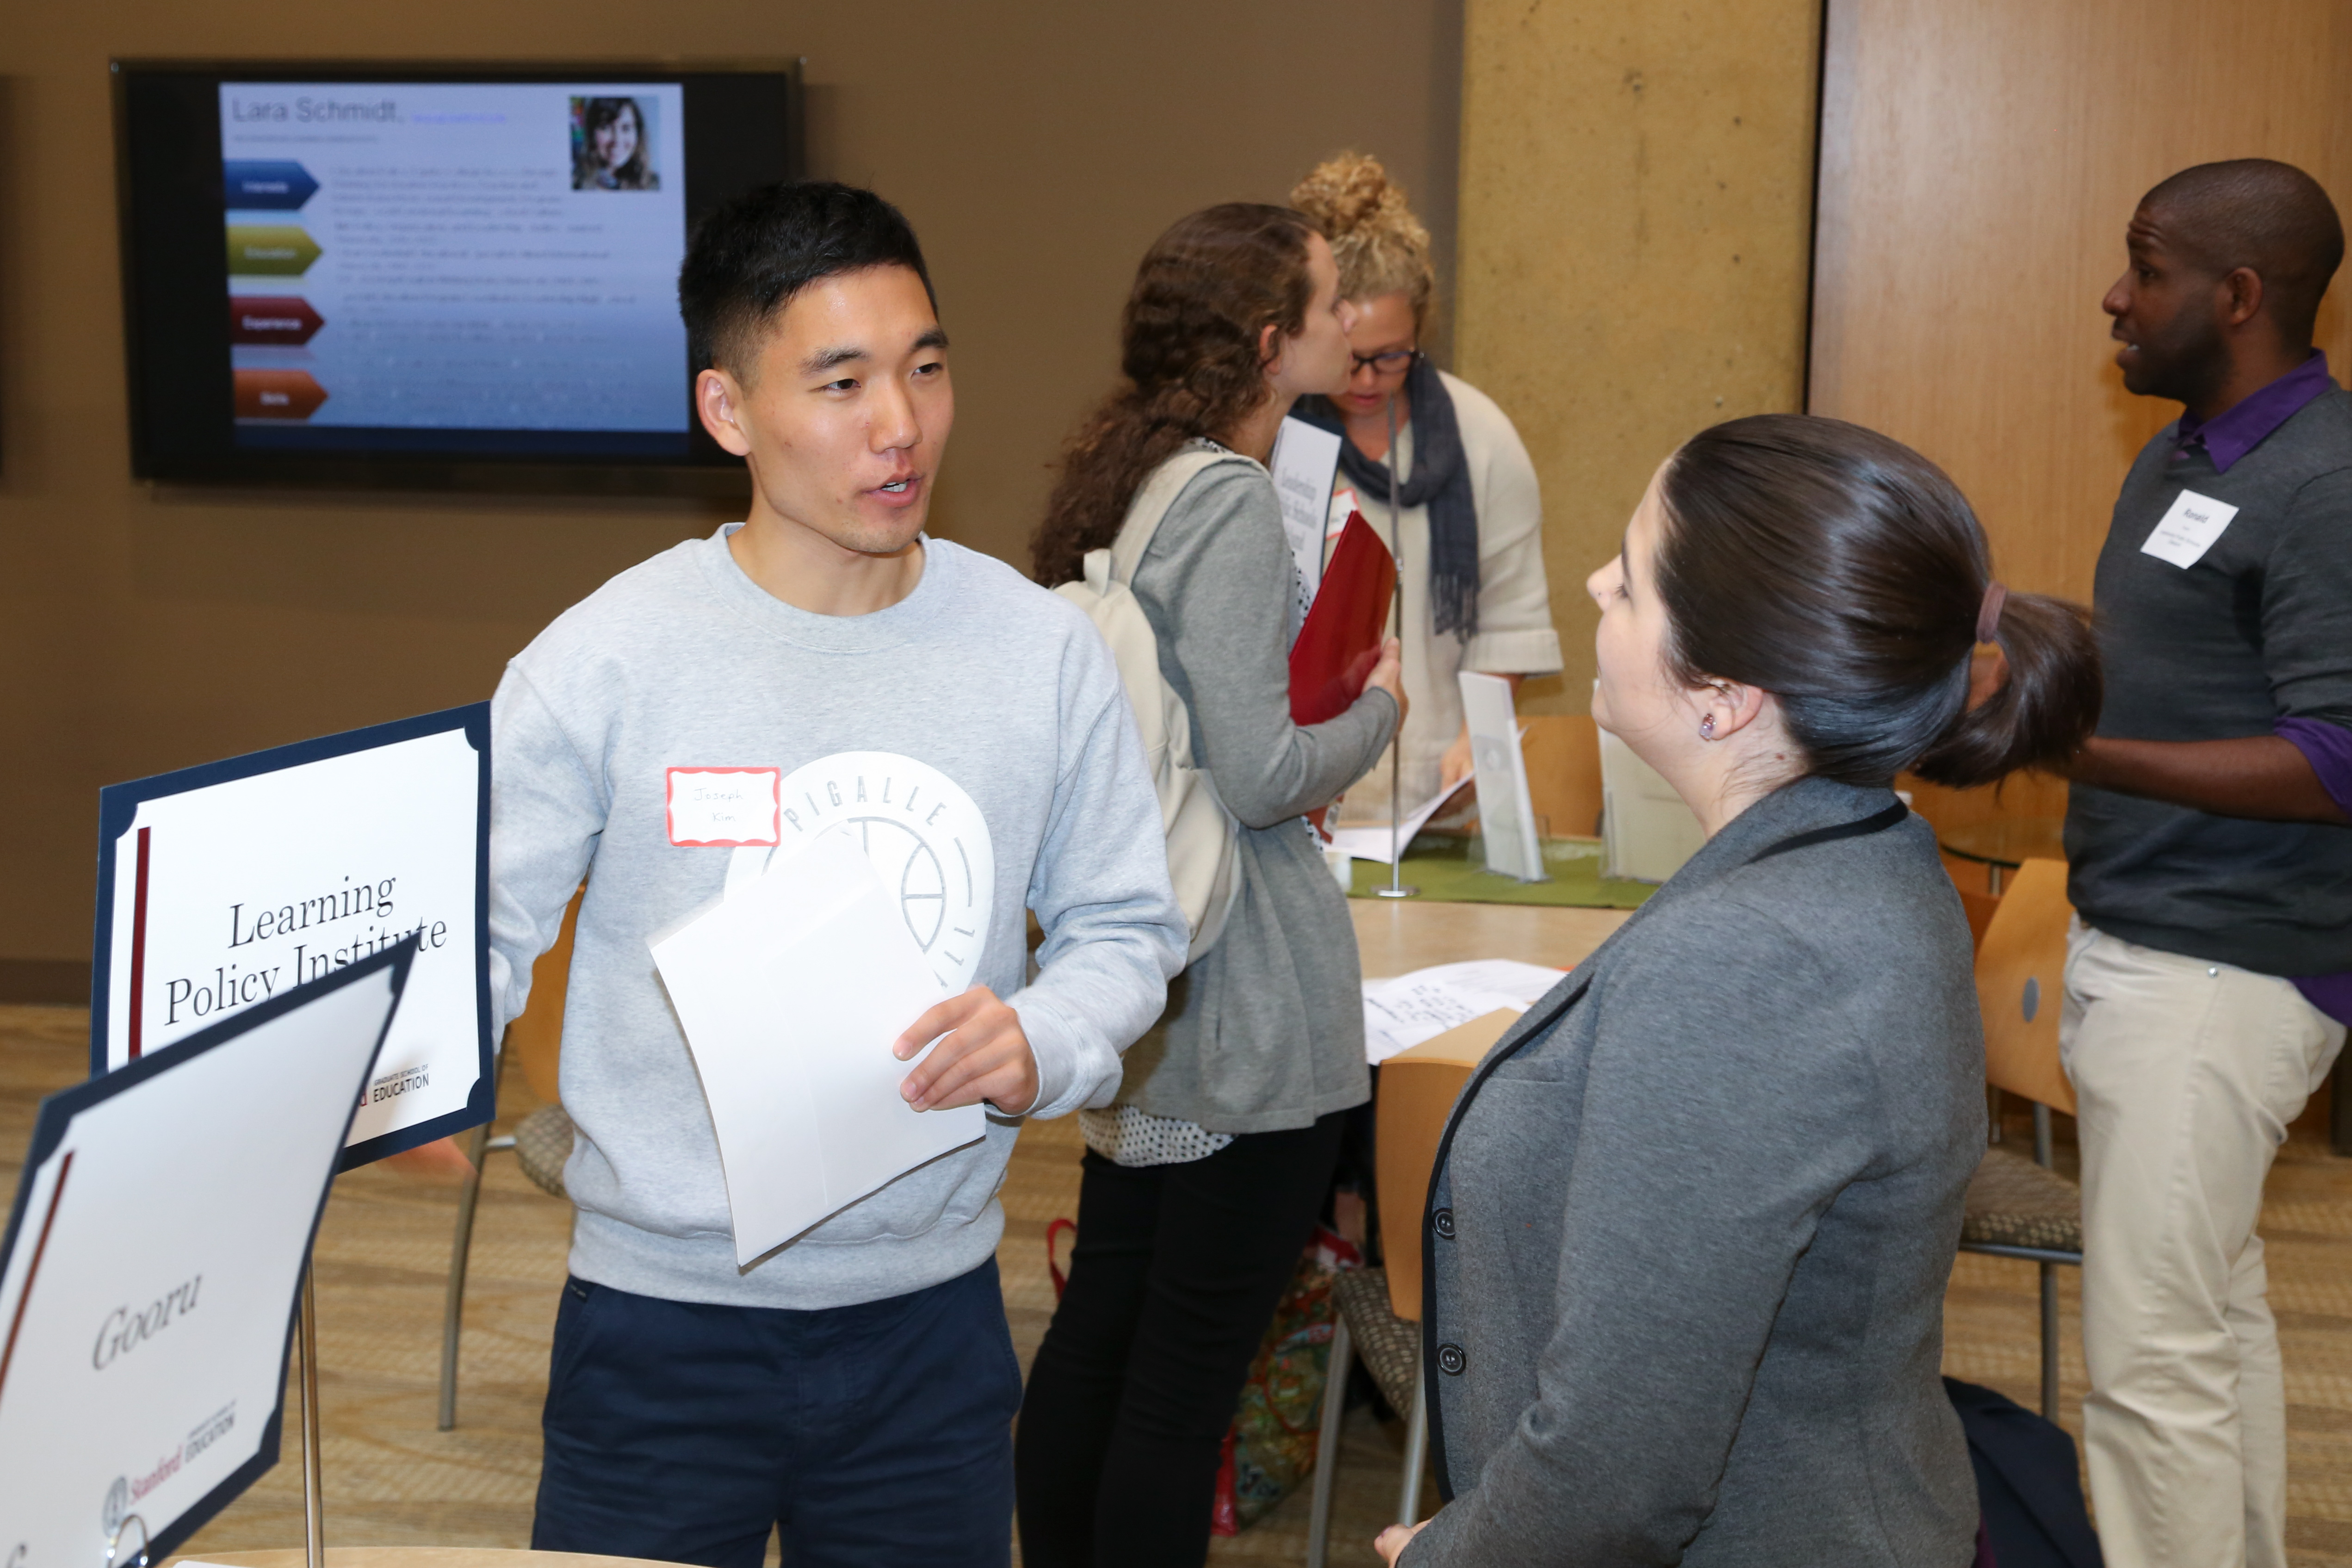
{"points": [[1514, 630]]}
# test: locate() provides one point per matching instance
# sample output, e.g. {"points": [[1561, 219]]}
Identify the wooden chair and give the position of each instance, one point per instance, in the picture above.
{"points": [[2017, 1207], [540, 1142], [1380, 1309], [1563, 757]]}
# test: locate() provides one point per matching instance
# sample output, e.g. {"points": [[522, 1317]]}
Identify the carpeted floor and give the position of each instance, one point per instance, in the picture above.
{"points": [[393, 1480]]}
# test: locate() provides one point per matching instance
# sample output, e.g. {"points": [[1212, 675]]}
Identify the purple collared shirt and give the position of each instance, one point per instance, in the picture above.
{"points": [[2226, 438], [2241, 428]]}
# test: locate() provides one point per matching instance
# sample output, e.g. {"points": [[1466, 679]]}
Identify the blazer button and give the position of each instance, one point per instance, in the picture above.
{"points": [[1451, 1361], [1442, 1222]]}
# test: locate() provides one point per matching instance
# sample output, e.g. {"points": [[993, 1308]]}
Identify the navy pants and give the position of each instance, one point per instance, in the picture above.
{"points": [[875, 1435]]}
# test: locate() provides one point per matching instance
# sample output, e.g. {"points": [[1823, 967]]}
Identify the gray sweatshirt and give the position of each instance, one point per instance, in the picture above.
{"points": [[974, 736], [1267, 1031]]}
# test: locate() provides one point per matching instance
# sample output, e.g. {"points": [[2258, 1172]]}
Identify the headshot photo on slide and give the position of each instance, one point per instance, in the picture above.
{"points": [[613, 144]]}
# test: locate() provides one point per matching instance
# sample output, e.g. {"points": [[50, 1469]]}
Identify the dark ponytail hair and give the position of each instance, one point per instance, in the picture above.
{"points": [[1203, 296], [1845, 575]]}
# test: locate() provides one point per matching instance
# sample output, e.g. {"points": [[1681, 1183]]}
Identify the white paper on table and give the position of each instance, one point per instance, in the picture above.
{"points": [[1402, 1013], [790, 994], [1304, 463], [1376, 843], [1524, 984]]}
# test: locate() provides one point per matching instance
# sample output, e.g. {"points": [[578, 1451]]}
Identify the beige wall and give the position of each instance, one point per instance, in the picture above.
{"points": [[1636, 202], [1037, 147]]}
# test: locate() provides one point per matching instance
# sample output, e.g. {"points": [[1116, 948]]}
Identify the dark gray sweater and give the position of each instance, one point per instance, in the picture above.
{"points": [[1267, 1031], [1688, 1241], [2259, 629]]}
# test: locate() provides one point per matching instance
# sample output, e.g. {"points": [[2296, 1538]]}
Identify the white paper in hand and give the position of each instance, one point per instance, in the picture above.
{"points": [[790, 994]]}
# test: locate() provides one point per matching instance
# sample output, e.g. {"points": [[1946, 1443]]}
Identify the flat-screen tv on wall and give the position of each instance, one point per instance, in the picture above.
{"points": [[340, 274]]}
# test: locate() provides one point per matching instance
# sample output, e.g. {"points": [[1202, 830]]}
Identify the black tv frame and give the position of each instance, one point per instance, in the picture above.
{"points": [[181, 429]]}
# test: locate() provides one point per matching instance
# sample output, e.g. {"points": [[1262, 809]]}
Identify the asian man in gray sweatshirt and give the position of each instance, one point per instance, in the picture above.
{"points": [[826, 664]]}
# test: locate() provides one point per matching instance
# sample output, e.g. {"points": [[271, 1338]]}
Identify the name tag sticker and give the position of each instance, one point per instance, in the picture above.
{"points": [[2186, 532], [724, 808]]}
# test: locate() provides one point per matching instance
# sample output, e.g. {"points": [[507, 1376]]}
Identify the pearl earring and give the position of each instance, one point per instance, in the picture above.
{"points": [[1706, 728]]}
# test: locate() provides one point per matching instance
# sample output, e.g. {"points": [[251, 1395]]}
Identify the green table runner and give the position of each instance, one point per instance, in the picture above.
{"points": [[1450, 870]]}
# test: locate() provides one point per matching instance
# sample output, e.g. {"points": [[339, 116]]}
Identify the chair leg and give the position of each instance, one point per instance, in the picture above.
{"points": [[2339, 1107], [1340, 1363], [2049, 1340], [453, 1308], [1416, 1456]]}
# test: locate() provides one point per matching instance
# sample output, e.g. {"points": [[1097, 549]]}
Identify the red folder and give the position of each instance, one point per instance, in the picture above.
{"points": [[1341, 640]]}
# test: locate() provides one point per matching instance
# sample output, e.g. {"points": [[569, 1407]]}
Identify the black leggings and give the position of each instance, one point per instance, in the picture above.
{"points": [[1173, 1279]]}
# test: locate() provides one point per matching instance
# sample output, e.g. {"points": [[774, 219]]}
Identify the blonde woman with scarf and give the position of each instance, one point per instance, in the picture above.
{"points": [[1472, 521]]}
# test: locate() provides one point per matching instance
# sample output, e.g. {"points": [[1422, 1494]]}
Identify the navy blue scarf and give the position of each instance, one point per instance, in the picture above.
{"points": [[1440, 481]]}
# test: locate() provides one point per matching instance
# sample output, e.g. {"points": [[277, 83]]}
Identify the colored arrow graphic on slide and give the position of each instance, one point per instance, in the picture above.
{"points": [[271, 319], [267, 183], [270, 250], [278, 394]]}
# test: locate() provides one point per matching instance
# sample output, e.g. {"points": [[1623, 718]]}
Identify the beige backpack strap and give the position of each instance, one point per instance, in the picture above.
{"points": [[1157, 494]]}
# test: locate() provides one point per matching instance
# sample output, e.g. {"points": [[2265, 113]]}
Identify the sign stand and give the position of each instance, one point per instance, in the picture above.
{"points": [[310, 858], [314, 1532], [1396, 888], [172, 1203], [314, 1523], [114, 1544]]}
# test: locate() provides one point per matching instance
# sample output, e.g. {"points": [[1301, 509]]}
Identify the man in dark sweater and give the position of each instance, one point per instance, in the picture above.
{"points": [[2210, 841]]}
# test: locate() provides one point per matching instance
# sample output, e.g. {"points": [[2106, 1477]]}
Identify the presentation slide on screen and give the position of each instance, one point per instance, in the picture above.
{"points": [[455, 257]]}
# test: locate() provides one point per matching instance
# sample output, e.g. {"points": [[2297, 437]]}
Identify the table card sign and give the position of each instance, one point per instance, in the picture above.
{"points": [[1646, 831], [1506, 816], [222, 886], [152, 1262]]}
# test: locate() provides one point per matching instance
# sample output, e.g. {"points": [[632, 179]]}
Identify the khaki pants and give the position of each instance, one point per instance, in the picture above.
{"points": [[2187, 1074]]}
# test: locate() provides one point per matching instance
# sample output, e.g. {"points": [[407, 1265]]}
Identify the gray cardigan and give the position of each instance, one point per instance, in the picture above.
{"points": [[1687, 1244], [1267, 1031]]}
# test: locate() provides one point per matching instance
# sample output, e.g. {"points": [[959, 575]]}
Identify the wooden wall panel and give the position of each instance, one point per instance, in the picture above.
{"points": [[1979, 160]]}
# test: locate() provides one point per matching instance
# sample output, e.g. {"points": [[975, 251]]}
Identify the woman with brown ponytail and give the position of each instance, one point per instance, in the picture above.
{"points": [[1687, 1242], [1203, 1180]]}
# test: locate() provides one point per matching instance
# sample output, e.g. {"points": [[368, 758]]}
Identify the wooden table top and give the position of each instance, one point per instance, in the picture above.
{"points": [[1396, 935], [414, 1557]]}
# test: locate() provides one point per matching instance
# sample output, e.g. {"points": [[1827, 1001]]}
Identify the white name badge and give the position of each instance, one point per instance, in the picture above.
{"points": [[2186, 532], [724, 808]]}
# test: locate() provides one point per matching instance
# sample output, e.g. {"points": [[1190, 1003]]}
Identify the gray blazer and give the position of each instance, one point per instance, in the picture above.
{"points": [[1267, 1031], [1686, 1243]]}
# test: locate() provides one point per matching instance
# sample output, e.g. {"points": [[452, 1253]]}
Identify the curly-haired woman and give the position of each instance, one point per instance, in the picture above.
{"points": [[1475, 592], [1203, 1181]]}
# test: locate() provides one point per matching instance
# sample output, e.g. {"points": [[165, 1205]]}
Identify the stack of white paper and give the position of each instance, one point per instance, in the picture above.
{"points": [[792, 993], [1378, 843], [1402, 1012]]}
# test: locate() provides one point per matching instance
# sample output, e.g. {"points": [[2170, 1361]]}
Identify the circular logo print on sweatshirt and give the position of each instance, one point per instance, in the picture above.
{"points": [[923, 834]]}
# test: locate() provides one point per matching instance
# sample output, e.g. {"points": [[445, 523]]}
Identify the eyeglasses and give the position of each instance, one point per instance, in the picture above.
{"points": [[1394, 362]]}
